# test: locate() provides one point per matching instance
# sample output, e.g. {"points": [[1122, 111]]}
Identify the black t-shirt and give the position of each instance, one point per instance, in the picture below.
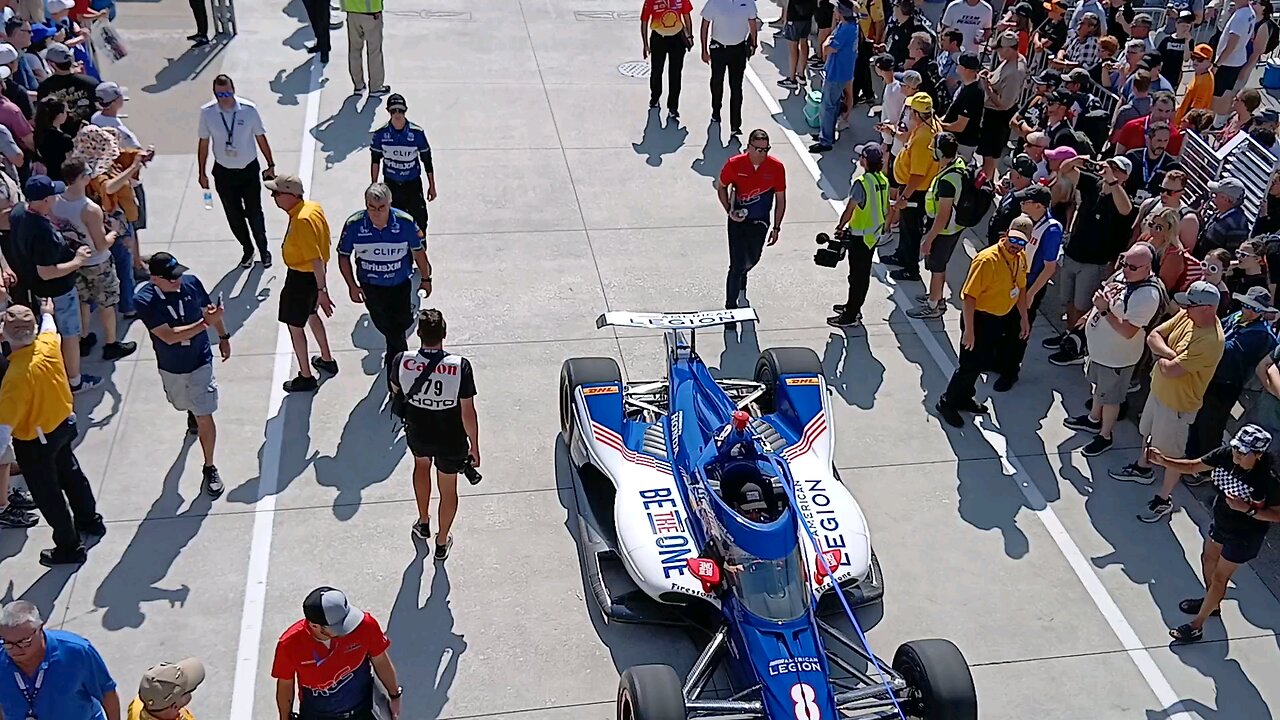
{"points": [[1270, 222], [1100, 232], [1113, 24], [1173, 50], [968, 102], [1263, 490], [800, 10], [450, 383], [1148, 174], [52, 147], [1060, 134], [898, 38], [1055, 31], [78, 91], [35, 243]]}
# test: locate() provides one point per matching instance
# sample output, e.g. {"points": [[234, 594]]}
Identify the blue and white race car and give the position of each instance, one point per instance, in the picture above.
{"points": [[716, 503]]}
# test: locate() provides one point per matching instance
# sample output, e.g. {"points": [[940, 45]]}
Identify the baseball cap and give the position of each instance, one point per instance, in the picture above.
{"points": [[1007, 39], [1023, 9], [1143, 19], [109, 92], [920, 102], [1034, 193], [1152, 59], [1121, 163], [1251, 439], [1202, 52], [1047, 77], [1270, 115], [58, 53], [164, 685], [287, 184], [752, 498], [883, 61], [1227, 186], [1058, 154], [1061, 97], [396, 102], [57, 6], [8, 53], [1078, 75], [40, 187], [1186, 16], [969, 61], [1024, 166], [18, 320], [165, 266], [1257, 299], [329, 609], [5, 72], [1200, 294], [846, 9], [910, 77], [41, 32], [1017, 237], [870, 151]]}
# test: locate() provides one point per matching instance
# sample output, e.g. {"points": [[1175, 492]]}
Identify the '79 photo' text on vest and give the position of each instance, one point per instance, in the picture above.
{"points": [[436, 391]]}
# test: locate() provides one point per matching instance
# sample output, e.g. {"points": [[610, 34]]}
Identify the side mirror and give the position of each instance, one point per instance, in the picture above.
{"points": [[707, 571], [827, 564]]}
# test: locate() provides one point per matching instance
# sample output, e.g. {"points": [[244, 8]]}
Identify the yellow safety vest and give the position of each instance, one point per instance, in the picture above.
{"points": [[868, 220], [362, 6], [931, 197]]}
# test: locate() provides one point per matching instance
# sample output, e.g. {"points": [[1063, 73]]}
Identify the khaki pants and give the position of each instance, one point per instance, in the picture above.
{"points": [[362, 29]]}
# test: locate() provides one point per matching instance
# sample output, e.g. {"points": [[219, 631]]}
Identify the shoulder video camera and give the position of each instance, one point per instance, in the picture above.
{"points": [[833, 249]]}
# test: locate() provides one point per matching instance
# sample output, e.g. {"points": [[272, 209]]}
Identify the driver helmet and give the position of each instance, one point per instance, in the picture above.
{"points": [[754, 502]]}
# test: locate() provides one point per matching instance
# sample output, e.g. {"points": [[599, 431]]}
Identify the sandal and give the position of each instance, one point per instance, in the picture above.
{"points": [[1191, 606], [1186, 633]]}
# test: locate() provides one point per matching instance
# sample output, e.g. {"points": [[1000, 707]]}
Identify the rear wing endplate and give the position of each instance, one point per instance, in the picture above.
{"points": [[677, 321]]}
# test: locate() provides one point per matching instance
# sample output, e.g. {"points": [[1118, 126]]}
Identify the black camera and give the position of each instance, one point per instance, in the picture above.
{"points": [[469, 470], [833, 249]]}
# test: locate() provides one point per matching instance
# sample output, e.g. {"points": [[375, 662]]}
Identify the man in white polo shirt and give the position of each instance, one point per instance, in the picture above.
{"points": [[729, 30], [231, 126]]}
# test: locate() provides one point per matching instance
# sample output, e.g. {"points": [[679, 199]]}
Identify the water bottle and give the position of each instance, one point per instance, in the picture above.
{"points": [[208, 200], [422, 299]]}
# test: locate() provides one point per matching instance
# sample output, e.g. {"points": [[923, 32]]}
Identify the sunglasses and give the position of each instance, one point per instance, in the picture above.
{"points": [[1017, 241], [224, 94], [1131, 267], [758, 148]]}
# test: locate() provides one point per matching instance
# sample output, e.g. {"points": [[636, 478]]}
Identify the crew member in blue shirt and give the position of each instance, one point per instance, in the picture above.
{"points": [[402, 151], [51, 674], [386, 246], [841, 53]]}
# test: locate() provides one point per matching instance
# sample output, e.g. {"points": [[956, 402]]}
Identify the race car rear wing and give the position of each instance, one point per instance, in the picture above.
{"points": [[677, 321]]}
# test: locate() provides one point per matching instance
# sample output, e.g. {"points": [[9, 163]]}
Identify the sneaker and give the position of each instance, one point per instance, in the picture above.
{"points": [[1083, 423], [789, 83], [328, 366], [194, 36], [58, 556], [1186, 633], [200, 41], [819, 147], [673, 114], [380, 91], [1004, 383], [1097, 446], [1158, 509], [117, 350], [87, 382], [13, 517], [211, 481], [266, 260], [921, 298], [86, 344], [905, 275], [838, 307], [21, 500], [971, 406], [442, 551], [94, 528], [1197, 479], [891, 260], [735, 131], [816, 63], [653, 104], [927, 311], [841, 321], [1134, 473], [1053, 343], [192, 427], [1191, 606], [422, 530], [301, 383], [949, 414], [246, 260], [1067, 356]]}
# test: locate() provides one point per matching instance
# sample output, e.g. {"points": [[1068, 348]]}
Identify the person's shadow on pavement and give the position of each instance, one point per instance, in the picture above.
{"points": [[429, 662], [659, 139]]}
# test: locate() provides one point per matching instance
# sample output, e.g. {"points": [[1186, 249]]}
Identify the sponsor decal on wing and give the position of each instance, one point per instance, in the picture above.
{"points": [[803, 381], [603, 390]]}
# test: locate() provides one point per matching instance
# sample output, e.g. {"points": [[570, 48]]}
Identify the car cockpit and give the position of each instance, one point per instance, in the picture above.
{"points": [[741, 475]]}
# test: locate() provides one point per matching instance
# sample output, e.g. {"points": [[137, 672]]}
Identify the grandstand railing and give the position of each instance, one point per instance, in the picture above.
{"points": [[1241, 157]]}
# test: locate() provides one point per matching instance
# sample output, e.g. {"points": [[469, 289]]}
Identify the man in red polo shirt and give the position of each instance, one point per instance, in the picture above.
{"points": [[1134, 133], [331, 655], [759, 183]]}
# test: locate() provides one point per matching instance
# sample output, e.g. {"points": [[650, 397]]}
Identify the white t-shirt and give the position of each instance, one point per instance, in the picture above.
{"points": [[891, 105], [232, 135], [128, 140], [730, 20], [1241, 23], [1108, 347], [971, 20]]}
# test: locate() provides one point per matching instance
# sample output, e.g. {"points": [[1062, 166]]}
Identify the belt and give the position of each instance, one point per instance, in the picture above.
{"points": [[714, 44], [333, 716]]}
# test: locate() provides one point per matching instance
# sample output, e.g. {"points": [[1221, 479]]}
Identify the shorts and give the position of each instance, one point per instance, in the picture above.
{"points": [[407, 195], [99, 284], [797, 30], [1079, 281], [1224, 80], [1237, 548], [1110, 385], [141, 195], [993, 133], [66, 313], [940, 252], [825, 15], [195, 392], [299, 298], [448, 460], [6, 455], [1166, 427]]}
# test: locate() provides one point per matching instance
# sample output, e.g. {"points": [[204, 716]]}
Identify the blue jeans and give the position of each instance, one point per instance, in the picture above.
{"points": [[124, 269], [832, 94]]}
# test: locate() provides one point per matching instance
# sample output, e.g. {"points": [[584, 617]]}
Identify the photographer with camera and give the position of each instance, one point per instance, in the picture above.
{"points": [[437, 390], [859, 231], [944, 231]]}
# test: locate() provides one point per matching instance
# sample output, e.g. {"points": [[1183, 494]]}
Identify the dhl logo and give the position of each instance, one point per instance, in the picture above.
{"points": [[605, 390], [802, 381]]}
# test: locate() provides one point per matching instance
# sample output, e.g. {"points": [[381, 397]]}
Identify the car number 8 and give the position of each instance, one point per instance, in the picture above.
{"points": [[806, 709]]}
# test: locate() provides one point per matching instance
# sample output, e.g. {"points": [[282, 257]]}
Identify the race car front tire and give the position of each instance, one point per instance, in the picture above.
{"points": [[582, 371], [940, 684], [650, 692]]}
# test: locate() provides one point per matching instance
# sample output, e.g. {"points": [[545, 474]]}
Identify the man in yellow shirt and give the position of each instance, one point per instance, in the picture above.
{"points": [[36, 411], [1200, 91], [165, 691], [995, 315], [306, 289], [1186, 348], [913, 169]]}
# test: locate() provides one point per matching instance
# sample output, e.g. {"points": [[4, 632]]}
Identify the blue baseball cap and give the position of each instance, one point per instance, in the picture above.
{"points": [[41, 32], [41, 187]]}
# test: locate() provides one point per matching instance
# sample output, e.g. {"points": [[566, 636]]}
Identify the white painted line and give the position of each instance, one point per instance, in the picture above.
{"points": [[1102, 599], [255, 584]]}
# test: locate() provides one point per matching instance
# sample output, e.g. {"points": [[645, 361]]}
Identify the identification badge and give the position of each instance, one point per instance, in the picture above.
{"points": [[1014, 293], [231, 151]]}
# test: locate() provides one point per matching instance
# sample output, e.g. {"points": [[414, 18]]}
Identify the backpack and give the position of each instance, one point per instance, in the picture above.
{"points": [[1162, 312], [975, 197]]}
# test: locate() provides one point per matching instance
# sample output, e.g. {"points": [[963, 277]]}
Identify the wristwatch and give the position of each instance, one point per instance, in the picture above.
{"points": [[1251, 511], [224, 337], [397, 694]]}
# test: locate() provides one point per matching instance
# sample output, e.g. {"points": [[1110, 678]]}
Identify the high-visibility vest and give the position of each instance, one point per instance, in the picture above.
{"points": [[931, 197], [868, 220], [362, 6]]}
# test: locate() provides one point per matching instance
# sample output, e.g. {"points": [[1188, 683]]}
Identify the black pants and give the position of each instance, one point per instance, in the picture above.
{"points": [[201, 14], [860, 259], [669, 50], [391, 312], [55, 480], [1010, 362], [911, 232], [746, 243], [240, 190], [407, 195], [1205, 433], [734, 59], [992, 335], [862, 88], [318, 16]]}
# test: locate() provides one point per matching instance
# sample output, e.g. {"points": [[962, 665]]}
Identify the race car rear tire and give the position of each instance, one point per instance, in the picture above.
{"points": [[650, 692], [776, 362], [582, 371], [940, 684]]}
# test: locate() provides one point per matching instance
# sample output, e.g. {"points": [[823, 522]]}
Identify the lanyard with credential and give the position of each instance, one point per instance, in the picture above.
{"points": [[30, 694], [230, 127]]}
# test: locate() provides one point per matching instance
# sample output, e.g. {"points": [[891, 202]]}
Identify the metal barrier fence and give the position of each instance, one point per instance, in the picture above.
{"points": [[1241, 158], [223, 17]]}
